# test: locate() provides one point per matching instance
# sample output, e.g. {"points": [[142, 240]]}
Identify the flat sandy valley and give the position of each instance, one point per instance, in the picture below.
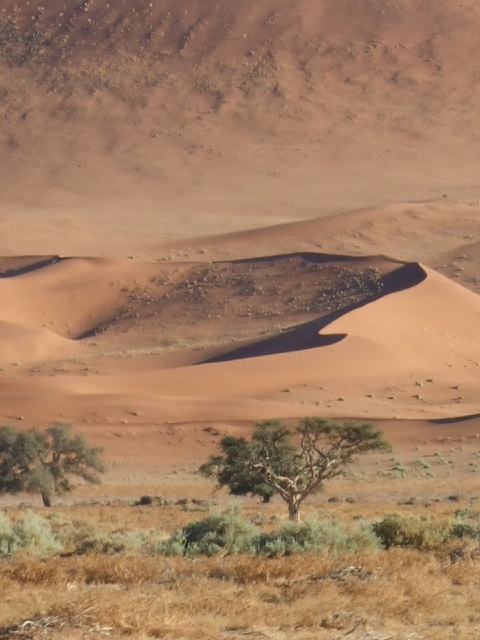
{"points": [[220, 212]]}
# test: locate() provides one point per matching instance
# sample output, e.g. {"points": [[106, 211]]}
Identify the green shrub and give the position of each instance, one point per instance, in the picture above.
{"points": [[112, 543], [468, 514], [319, 535], [226, 533], [176, 545], [408, 531], [35, 535], [70, 533], [423, 464]]}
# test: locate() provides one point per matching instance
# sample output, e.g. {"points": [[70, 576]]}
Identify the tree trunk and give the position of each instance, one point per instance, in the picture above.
{"points": [[294, 511], [46, 499]]}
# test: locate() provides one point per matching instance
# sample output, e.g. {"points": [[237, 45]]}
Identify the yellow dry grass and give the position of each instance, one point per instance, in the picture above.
{"points": [[313, 596], [395, 594]]}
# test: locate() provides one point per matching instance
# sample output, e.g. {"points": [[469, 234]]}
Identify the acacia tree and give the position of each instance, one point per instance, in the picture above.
{"points": [[44, 462], [291, 462]]}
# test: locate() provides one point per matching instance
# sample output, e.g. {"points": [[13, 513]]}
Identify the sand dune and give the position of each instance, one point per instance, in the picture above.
{"points": [[461, 264], [408, 354], [145, 305], [226, 182]]}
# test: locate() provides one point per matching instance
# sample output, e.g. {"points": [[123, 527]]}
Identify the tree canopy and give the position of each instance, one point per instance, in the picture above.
{"points": [[44, 461], [233, 470], [292, 462]]}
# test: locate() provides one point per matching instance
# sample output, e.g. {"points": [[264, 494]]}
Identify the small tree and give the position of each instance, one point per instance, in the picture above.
{"points": [[291, 462], [45, 461]]}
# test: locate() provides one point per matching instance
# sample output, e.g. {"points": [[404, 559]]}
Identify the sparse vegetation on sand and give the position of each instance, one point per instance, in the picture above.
{"points": [[183, 564], [74, 573], [232, 532]]}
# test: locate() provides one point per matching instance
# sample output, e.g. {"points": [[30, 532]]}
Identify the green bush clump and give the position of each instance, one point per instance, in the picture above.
{"points": [[30, 533], [40, 536], [78, 537], [226, 533], [408, 531], [318, 536], [71, 533]]}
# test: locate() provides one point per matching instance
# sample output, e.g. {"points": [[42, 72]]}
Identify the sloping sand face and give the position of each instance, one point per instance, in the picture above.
{"points": [[197, 202]]}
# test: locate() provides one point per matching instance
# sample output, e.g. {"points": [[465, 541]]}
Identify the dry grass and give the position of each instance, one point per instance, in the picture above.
{"points": [[371, 594], [393, 593]]}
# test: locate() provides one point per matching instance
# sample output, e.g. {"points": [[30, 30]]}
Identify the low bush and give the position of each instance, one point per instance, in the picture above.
{"points": [[226, 533], [408, 531], [30, 533], [319, 535], [467, 524]]}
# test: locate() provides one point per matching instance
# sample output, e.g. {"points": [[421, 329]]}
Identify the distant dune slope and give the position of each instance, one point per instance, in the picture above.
{"points": [[335, 61], [23, 342], [153, 120]]}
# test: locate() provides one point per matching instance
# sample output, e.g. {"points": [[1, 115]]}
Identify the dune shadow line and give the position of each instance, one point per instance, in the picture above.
{"points": [[455, 419], [27, 267]]}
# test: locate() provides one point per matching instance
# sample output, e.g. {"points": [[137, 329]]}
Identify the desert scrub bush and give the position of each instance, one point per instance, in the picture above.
{"points": [[423, 464], [319, 536], [34, 534], [56, 534], [70, 533], [408, 531], [125, 542], [466, 525], [30, 533], [226, 533], [79, 537]]}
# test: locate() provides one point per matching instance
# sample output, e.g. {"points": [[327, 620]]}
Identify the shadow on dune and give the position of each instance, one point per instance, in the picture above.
{"points": [[307, 335], [308, 256], [18, 265], [455, 419]]}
